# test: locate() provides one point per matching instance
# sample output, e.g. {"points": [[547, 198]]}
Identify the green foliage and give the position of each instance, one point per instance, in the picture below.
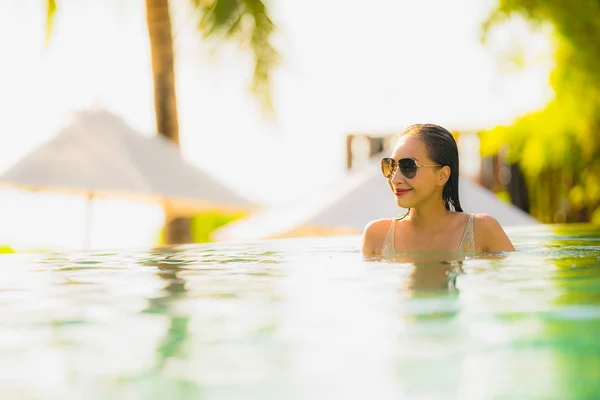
{"points": [[596, 217], [558, 147], [4, 249], [203, 225], [248, 23], [504, 196], [50, 12]]}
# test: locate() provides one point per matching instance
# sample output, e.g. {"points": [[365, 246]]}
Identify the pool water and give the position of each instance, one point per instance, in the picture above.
{"points": [[305, 319]]}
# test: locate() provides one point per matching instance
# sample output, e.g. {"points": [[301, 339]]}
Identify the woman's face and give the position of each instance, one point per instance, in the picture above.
{"points": [[411, 192]]}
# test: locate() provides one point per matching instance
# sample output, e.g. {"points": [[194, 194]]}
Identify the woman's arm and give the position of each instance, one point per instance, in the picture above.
{"points": [[490, 234], [367, 248]]}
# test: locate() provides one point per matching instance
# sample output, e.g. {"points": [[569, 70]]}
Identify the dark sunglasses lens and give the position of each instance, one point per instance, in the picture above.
{"points": [[408, 167], [387, 167]]}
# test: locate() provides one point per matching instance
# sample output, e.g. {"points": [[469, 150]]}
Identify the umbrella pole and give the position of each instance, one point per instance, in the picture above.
{"points": [[88, 222]]}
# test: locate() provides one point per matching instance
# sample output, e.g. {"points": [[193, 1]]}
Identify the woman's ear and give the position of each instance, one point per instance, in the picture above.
{"points": [[443, 175]]}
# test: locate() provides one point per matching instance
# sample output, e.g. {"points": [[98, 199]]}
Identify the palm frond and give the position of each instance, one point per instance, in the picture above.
{"points": [[248, 23], [50, 13]]}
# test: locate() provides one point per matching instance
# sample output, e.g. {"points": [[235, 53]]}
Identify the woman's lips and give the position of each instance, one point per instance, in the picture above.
{"points": [[400, 192]]}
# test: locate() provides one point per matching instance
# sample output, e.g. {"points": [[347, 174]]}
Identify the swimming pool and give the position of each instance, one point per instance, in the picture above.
{"points": [[304, 319]]}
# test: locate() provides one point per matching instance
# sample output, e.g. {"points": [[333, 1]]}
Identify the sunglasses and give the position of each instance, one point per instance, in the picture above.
{"points": [[407, 166]]}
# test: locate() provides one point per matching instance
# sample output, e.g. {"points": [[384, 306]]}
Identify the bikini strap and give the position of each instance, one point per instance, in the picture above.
{"points": [[467, 242], [388, 243]]}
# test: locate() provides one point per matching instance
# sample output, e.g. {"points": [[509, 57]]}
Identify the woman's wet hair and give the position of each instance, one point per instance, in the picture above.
{"points": [[442, 150]]}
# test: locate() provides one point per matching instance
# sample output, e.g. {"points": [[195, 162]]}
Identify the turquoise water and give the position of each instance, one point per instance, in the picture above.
{"points": [[305, 319]]}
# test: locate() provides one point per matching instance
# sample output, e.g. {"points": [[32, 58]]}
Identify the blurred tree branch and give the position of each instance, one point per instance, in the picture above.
{"points": [[246, 22], [560, 142]]}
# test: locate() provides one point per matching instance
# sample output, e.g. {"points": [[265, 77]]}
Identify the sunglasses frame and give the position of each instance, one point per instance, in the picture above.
{"points": [[396, 165]]}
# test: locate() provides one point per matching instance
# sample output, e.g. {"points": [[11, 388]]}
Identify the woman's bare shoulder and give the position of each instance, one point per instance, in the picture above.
{"points": [[485, 222], [374, 235], [378, 225], [493, 237]]}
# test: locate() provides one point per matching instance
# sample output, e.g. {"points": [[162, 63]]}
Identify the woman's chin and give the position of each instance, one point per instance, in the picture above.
{"points": [[402, 203]]}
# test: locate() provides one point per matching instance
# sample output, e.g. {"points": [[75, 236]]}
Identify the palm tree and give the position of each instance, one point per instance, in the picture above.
{"points": [[244, 21]]}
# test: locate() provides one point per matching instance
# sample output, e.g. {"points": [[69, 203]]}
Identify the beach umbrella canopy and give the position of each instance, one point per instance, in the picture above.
{"points": [[98, 154]]}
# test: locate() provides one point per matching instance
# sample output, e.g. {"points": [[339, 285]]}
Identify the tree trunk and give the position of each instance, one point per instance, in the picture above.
{"points": [[177, 229], [517, 188]]}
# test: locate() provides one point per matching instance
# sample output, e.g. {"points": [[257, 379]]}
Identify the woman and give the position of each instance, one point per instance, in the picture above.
{"points": [[423, 175]]}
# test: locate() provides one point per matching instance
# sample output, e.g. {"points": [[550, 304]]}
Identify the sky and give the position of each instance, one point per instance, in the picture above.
{"points": [[346, 66]]}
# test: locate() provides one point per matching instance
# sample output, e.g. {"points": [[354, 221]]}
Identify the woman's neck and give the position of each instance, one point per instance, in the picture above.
{"points": [[427, 217]]}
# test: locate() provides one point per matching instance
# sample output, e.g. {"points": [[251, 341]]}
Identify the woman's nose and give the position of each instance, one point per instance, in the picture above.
{"points": [[397, 176]]}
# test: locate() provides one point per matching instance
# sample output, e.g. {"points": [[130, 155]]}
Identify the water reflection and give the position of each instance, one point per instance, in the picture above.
{"points": [[572, 325], [427, 306], [221, 307], [168, 267], [536, 315], [305, 319], [427, 273]]}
